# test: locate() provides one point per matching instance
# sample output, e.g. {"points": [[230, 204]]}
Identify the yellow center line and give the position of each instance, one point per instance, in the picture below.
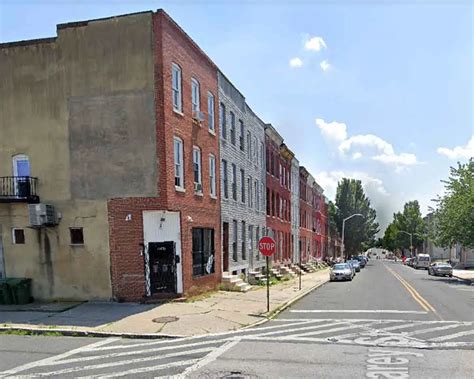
{"points": [[414, 293]]}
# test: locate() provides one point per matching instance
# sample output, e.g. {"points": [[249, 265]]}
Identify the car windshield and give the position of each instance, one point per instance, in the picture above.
{"points": [[423, 258], [341, 266], [443, 265]]}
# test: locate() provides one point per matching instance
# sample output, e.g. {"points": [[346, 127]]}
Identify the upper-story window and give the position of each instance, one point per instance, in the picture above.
{"points": [[176, 85], [232, 127], [262, 155], [178, 163], [212, 174], [234, 181], [242, 185], [210, 112], [249, 145], [255, 150], [197, 169], [241, 138], [195, 95], [222, 121], [225, 180]]}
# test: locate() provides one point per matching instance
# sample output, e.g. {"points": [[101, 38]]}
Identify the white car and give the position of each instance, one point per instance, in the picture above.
{"points": [[422, 261]]}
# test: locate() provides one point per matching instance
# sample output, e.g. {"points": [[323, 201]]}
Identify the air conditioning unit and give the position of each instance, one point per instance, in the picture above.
{"points": [[42, 215], [197, 187], [198, 116]]}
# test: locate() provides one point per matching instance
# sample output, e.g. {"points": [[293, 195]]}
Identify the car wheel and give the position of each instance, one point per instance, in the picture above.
{"points": [[429, 272]]}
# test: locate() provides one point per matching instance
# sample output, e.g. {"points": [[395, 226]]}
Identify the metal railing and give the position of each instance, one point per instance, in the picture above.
{"points": [[18, 189]]}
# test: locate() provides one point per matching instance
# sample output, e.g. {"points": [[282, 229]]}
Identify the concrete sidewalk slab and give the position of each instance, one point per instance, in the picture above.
{"points": [[467, 275], [59, 306], [219, 312]]}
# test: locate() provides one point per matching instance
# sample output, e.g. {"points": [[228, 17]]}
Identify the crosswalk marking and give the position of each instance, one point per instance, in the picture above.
{"points": [[191, 353], [395, 311]]}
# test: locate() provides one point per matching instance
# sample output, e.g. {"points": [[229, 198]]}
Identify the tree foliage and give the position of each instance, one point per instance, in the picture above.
{"points": [[351, 199], [454, 216], [407, 221]]}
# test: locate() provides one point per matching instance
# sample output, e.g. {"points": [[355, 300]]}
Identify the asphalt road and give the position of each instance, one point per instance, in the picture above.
{"points": [[390, 321]]}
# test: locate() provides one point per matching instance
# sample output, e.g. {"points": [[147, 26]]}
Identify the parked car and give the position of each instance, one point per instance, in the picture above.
{"points": [[355, 263], [341, 271], [440, 268], [362, 261], [422, 261], [407, 261]]}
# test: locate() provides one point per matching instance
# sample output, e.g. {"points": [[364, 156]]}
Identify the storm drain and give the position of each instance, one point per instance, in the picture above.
{"points": [[165, 319]]}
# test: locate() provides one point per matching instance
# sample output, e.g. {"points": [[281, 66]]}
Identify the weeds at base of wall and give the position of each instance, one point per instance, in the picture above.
{"points": [[30, 333]]}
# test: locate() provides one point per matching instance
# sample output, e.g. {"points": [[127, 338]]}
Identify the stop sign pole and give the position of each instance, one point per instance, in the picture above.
{"points": [[267, 247]]}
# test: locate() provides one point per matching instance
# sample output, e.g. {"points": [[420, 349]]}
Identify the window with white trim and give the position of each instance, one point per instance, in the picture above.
{"points": [[249, 145], [222, 121], [210, 112], [225, 180], [234, 181], [212, 174], [195, 95], [232, 127], [178, 163], [176, 85], [197, 169]]}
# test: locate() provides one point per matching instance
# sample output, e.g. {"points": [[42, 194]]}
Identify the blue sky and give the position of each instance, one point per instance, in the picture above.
{"points": [[378, 90]]}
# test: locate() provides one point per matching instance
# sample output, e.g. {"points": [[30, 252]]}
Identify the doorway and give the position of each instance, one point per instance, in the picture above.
{"points": [[2, 258], [162, 267], [225, 246], [21, 173]]}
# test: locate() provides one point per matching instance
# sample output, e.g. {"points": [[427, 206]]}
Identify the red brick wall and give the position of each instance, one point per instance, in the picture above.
{"points": [[280, 224], [127, 266], [176, 47]]}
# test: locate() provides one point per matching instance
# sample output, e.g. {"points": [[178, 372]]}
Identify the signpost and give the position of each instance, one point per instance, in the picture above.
{"points": [[267, 247]]}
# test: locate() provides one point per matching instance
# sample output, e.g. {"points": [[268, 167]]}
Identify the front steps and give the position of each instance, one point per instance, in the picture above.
{"points": [[234, 283]]}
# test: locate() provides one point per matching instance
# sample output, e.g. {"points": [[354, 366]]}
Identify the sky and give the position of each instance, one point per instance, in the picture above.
{"points": [[380, 91]]}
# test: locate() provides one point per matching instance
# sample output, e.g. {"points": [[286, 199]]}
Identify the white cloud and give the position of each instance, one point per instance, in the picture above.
{"points": [[459, 152], [296, 62], [315, 44], [384, 151], [325, 65], [336, 131]]}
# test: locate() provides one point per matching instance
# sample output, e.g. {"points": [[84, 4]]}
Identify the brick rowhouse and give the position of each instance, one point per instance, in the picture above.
{"points": [[278, 158], [306, 212], [184, 217]]}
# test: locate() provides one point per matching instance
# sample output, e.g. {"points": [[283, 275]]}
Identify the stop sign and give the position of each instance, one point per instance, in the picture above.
{"points": [[267, 246]]}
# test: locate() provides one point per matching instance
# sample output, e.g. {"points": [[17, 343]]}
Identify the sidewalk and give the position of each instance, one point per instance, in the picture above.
{"points": [[219, 312], [466, 275]]}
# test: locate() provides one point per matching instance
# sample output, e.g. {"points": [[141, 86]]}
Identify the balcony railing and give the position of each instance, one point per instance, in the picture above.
{"points": [[18, 189]]}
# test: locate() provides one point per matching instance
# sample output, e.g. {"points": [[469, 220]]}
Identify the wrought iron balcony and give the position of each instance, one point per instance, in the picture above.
{"points": [[18, 189]]}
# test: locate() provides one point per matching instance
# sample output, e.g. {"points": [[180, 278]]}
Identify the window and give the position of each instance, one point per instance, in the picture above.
{"points": [[176, 85], [234, 182], [197, 169], [77, 236], [242, 185], [257, 238], [268, 202], [262, 159], [244, 242], [178, 163], [232, 128], [234, 240], [255, 150], [249, 188], [210, 112], [212, 175], [250, 241], [225, 179], [257, 195], [203, 251], [195, 95], [241, 138], [249, 145], [18, 236], [263, 197], [222, 121]]}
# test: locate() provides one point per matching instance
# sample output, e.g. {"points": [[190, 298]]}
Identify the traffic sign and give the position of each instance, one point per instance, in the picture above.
{"points": [[267, 246]]}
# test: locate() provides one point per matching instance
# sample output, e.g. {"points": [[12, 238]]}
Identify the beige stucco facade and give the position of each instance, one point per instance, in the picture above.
{"points": [[81, 107]]}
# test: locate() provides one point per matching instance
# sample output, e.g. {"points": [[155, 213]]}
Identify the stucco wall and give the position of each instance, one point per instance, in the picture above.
{"points": [[81, 107]]}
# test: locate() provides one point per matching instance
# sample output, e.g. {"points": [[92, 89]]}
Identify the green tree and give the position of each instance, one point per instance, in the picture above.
{"points": [[454, 216], [359, 231]]}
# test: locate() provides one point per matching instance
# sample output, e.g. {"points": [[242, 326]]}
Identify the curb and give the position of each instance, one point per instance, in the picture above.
{"points": [[470, 281], [86, 333], [93, 333]]}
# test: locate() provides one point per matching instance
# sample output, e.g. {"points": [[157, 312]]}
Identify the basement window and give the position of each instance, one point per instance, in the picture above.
{"points": [[18, 236], [77, 236]]}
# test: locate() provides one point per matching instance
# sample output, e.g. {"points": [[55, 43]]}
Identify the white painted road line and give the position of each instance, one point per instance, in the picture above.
{"points": [[209, 358], [290, 330], [121, 363], [356, 311], [322, 331], [141, 370], [429, 330], [54, 359], [452, 336]]}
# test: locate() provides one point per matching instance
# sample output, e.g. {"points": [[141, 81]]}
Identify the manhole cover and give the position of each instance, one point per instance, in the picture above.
{"points": [[165, 319]]}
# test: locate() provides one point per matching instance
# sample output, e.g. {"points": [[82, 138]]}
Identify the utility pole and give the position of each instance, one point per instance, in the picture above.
{"points": [[343, 229]]}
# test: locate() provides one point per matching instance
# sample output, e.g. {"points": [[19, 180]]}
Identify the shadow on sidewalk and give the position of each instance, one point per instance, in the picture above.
{"points": [[89, 314]]}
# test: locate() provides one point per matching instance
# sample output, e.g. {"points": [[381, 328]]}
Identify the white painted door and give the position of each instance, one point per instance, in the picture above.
{"points": [[21, 169]]}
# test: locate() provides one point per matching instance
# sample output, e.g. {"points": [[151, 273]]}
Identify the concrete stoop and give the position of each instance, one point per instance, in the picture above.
{"points": [[296, 269], [256, 277], [284, 270], [234, 283]]}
